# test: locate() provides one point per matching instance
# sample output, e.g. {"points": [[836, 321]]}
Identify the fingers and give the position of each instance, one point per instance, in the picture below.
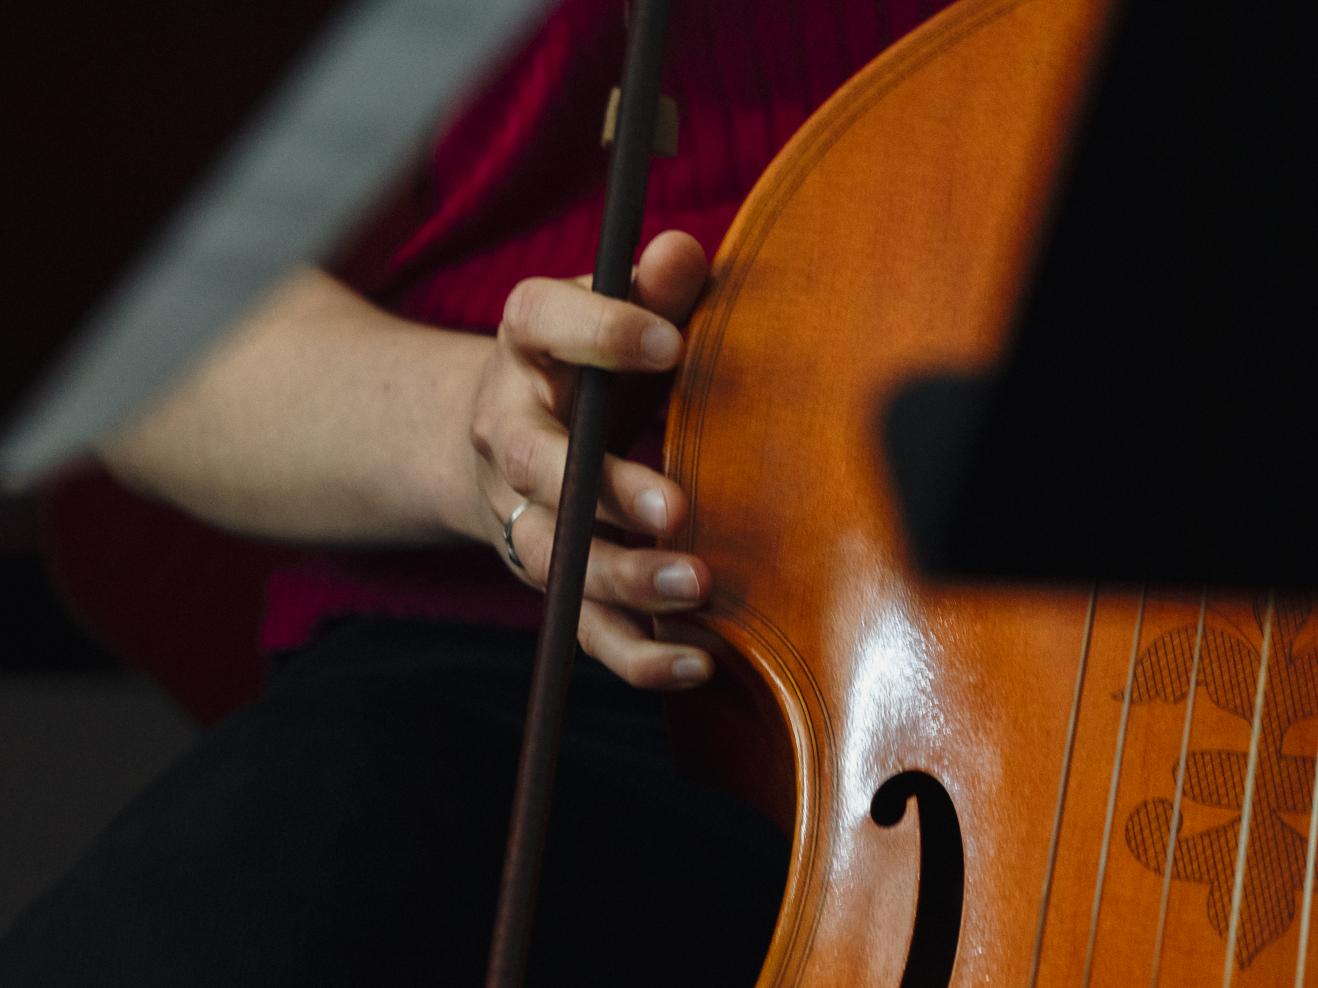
{"points": [[618, 581], [530, 454], [618, 642], [548, 324], [652, 581], [545, 319]]}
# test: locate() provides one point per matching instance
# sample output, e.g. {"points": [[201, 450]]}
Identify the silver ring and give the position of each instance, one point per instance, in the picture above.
{"points": [[513, 558]]}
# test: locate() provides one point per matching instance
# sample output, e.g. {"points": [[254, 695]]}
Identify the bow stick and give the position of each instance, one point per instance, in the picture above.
{"points": [[624, 201]]}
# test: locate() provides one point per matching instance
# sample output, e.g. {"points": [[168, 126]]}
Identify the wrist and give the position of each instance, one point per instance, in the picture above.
{"points": [[436, 491]]}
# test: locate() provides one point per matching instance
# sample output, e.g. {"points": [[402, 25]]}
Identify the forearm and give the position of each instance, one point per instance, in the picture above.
{"points": [[319, 418], [322, 418]]}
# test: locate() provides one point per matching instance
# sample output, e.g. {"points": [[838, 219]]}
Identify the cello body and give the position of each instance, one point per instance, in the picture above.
{"points": [[985, 784]]}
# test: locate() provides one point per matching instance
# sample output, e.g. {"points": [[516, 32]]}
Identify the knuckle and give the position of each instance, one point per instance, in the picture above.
{"points": [[647, 670], [621, 580], [518, 460], [521, 310], [481, 434], [535, 556], [588, 636], [612, 334]]}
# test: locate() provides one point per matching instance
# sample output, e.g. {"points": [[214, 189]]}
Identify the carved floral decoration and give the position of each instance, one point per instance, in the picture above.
{"points": [[1275, 858]]}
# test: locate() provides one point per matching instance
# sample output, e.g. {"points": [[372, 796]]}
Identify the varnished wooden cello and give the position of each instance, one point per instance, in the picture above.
{"points": [[985, 785]]}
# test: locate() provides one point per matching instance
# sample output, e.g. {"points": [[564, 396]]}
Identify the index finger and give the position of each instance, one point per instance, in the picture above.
{"points": [[544, 318]]}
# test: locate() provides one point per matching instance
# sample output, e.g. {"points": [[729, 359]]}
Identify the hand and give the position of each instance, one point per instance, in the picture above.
{"points": [[520, 444]]}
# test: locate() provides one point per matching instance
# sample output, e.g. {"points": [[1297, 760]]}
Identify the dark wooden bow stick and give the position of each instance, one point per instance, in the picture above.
{"points": [[629, 166]]}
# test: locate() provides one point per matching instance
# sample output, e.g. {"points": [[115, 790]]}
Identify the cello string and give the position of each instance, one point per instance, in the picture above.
{"points": [[1067, 751], [1247, 812], [1175, 825], [1112, 787], [1306, 908]]}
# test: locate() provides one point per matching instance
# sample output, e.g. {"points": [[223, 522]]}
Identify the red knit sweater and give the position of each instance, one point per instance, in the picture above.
{"points": [[515, 188]]}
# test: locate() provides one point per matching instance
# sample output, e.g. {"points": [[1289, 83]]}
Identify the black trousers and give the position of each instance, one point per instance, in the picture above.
{"points": [[348, 829]]}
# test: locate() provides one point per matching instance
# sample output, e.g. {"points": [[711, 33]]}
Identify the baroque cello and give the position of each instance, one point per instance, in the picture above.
{"points": [[985, 784]]}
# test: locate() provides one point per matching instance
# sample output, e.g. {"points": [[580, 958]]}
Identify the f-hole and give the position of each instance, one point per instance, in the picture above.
{"points": [[942, 874]]}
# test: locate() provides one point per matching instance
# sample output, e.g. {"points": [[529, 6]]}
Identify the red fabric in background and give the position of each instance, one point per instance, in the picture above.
{"points": [[513, 188], [167, 594]]}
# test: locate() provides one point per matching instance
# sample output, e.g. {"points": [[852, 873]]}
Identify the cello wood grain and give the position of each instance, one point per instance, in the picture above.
{"points": [[892, 238]]}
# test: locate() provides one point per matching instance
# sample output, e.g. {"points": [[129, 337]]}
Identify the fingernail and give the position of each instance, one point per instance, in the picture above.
{"points": [[691, 669], [661, 344], [652, 508], [677, 580]]}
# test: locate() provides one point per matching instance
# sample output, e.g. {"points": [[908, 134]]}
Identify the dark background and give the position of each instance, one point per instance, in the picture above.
{"points": [[110, 111], [1155, 419]]}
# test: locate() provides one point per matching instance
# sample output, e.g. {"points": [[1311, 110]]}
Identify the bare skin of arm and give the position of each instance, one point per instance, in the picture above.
{"points": [[322, 418]]}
